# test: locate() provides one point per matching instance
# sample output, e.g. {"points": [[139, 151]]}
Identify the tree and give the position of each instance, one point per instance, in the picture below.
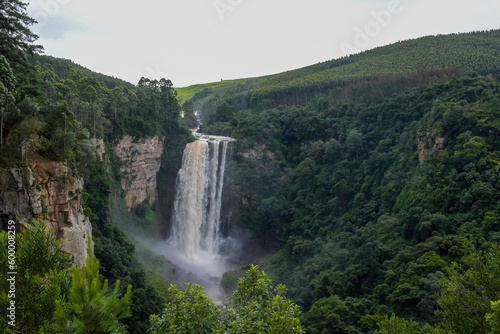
{"points": [[189, 311], [41, 277], [27, 133], [91, 309], [467, 294], [327, 314], [7, 100], [15, 35], [224, 113], [256, 307], [189, 115], [169, 102], [493, 319], [333, 151], [354, 142], [396, 325]]}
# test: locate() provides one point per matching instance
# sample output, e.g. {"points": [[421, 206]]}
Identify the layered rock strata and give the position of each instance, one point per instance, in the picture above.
{"points": [[50, 189], [141, 162]]}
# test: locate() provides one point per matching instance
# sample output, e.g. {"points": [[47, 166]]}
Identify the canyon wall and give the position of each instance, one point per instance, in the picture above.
{"points": [[50, 189], [140, 162], [54, 190]]}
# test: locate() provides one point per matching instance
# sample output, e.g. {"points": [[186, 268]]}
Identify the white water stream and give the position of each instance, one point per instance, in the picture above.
{"points": [[196, 221], [195, 238]]}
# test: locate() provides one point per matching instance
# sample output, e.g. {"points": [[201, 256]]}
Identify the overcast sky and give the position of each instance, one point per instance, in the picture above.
{"points": [[198, 41]]}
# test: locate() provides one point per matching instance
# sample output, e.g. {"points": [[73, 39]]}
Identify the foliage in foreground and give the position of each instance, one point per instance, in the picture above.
{"points": [[46, 299], [467, 297], [256, 307], [90, 308], [41, 278]]}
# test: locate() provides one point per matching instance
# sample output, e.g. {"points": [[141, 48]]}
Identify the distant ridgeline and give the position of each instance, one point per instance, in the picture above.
{"points": [[63, 68], [452, 54]]}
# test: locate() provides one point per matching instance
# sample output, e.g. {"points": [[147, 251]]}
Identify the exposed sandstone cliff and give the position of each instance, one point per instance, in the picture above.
{"points": [[258, 152], [50, 189], [428, 144], [141, 162]]}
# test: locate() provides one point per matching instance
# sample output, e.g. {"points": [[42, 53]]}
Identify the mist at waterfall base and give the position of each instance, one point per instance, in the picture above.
{"points": [[206, 270], [197, 245]]}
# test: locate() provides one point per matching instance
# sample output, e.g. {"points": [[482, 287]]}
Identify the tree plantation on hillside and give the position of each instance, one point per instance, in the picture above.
{"points": [[476, 51]]}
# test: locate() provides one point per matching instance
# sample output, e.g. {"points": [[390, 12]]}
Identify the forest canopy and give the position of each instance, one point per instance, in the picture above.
{"points": [[374, 183]]}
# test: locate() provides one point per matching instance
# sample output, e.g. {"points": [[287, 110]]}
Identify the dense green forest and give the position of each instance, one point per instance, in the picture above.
{"points": [[367, 209], [376, 189], [63, 67]]}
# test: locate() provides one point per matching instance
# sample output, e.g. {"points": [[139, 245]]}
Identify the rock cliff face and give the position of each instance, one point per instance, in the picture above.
{"points": [[428, 144], [50, 189], [141, 162], [258, 152], [98, 146]]}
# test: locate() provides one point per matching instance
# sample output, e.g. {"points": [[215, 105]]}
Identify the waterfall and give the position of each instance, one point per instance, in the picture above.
{"points": [[197, 207]]}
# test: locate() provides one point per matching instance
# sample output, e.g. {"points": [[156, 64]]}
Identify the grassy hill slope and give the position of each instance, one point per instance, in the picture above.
{"points": [[476, 51]]}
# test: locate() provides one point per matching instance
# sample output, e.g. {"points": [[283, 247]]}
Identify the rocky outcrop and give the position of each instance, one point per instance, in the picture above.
{"points": [[98, 147], [141, 162], [50, 189], [258, 152], [428, 144]]}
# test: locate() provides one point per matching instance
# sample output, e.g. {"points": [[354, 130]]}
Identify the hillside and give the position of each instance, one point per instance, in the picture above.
{"points": [[221, 87], [63, 68], [476, 51], [368, 192]]}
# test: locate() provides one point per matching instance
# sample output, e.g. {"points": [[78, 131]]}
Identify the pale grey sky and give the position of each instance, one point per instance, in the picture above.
{"points": [[198, 41]]}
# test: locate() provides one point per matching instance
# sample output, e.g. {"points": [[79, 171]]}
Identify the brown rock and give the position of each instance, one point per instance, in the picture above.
{"points": [[141, 162], [429, 144], [44, 189]]}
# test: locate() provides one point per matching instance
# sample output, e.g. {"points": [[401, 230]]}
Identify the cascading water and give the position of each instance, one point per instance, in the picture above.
{"points": [[197, 208], [195, 239]]}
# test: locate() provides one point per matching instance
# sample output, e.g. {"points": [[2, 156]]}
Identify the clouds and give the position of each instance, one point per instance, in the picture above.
{"points": [[197, 41], [52, 22]]}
